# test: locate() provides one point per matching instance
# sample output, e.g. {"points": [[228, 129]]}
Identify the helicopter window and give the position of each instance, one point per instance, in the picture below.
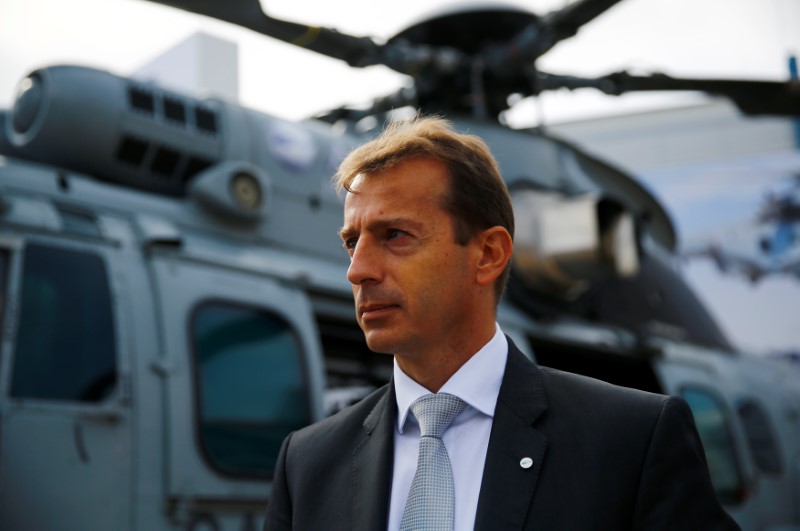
{"points": [[206, 120], [713, 425], [760, 437], [141, 100], [175, 110], [251, 387], [65, 348]]}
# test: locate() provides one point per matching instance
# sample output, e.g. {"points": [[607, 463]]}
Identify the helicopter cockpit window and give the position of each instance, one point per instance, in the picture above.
{"points": [[713, 425], [65, 348], [251, 389]]}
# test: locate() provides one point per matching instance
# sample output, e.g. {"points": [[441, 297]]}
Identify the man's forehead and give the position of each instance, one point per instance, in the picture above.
{"points": [[419, 166], [367, 188], [357, 181]]}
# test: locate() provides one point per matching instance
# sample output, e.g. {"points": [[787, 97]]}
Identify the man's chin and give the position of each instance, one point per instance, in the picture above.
{"points": [[381, 342]]}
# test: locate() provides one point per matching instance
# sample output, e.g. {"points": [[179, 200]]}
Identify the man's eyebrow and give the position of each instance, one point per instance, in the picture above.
{"points": [[380, 224], [345, 233]]}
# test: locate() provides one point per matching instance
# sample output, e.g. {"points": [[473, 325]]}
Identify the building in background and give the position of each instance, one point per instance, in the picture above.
{"points": [[202, 65]]}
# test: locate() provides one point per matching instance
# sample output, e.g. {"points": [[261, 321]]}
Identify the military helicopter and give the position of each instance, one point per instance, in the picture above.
{"points": [[175, 302]]}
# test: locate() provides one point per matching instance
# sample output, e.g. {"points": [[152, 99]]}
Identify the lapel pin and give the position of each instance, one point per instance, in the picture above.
{"points": [[526, 462]]}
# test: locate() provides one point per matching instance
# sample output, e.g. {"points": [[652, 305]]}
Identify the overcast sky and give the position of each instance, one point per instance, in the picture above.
{"points": [[691, 38]]}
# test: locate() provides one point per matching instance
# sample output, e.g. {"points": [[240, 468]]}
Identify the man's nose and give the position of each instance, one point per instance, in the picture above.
{"points": [[365, 264]]}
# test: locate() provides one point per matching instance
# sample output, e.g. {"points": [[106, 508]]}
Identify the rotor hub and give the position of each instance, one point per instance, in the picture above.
{"points": [[469, 29]]}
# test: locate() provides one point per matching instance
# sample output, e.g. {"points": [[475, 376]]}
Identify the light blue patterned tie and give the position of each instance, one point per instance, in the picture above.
{"points": [[431, 501]]}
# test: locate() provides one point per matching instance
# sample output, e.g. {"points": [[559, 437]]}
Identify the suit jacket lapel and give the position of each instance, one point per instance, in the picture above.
{"points": [[507, 488], [373, 465]]}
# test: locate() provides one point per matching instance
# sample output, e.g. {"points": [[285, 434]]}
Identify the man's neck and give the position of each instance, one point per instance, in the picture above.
{"points": [[433, 368]]}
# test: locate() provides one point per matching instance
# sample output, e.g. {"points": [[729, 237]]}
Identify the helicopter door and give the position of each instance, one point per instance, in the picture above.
{"points": [[243, 369], [708, 388], [65, 434]]}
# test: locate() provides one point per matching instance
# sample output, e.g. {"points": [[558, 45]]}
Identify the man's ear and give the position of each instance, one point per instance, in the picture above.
{"points": [[495, 252]]}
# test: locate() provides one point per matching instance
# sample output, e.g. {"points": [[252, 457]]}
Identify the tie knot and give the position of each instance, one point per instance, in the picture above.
{"points": [[435, 412]]}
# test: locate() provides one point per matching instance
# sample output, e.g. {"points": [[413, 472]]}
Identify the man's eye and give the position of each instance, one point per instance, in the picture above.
{"points": [[350, 244], [395, 233]]}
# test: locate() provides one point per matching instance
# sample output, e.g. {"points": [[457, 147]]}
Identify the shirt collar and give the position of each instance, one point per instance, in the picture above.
{"points": [[477, 382]]}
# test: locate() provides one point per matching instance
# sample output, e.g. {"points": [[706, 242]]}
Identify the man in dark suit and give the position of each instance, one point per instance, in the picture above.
{"points": [[428, 225]]}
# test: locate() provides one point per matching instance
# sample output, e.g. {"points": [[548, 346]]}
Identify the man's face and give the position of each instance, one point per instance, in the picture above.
{"points": [[412, 283]]}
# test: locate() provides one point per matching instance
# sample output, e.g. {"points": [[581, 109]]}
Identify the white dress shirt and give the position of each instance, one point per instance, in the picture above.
{"points": [[477, 383]]}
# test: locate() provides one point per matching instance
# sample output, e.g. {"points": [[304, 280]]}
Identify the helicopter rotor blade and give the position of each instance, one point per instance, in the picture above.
{"points": [[356, 51], [751, 97], [565, 23], [400, 56], [360, 52]]}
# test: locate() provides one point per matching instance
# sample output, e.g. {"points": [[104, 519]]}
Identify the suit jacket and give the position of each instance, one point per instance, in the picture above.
{"points": [[604, 458]]}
